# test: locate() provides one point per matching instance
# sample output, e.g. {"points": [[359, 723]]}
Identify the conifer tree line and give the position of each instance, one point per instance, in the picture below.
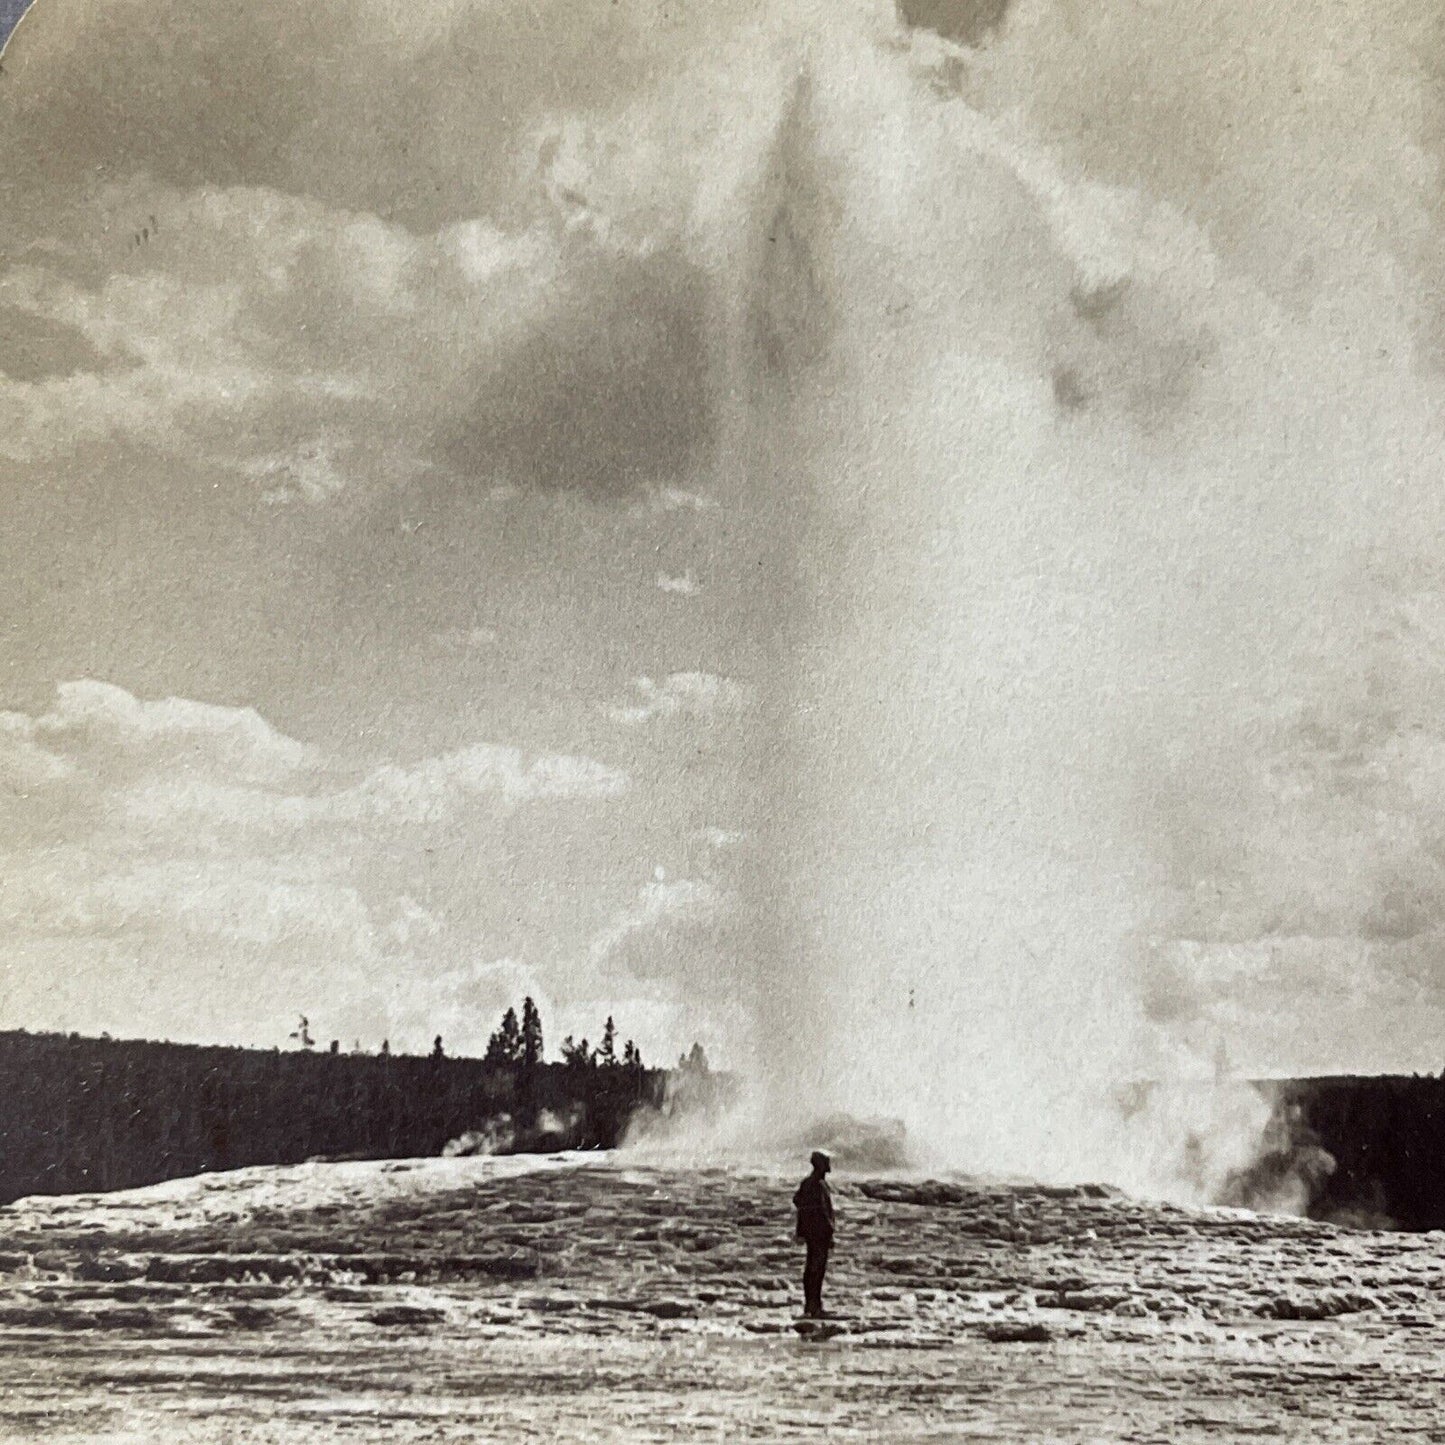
{"points": [[515, 1042], [518, 1043], [96, 1113]]}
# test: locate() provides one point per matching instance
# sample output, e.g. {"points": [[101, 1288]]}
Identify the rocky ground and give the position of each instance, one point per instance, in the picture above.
{"points": [[589, 1298]]}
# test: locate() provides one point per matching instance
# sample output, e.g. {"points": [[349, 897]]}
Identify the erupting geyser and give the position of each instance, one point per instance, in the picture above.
{"points": [[1015, 457]]}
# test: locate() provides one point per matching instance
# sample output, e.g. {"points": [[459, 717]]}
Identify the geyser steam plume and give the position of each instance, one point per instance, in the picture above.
{"points": [[995, 423]]}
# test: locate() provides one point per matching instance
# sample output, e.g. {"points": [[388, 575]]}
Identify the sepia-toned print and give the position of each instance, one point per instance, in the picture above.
{"points": [[721, 719]]}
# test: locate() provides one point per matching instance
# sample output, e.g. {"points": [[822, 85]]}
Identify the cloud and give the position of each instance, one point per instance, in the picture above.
{"points": [[491, 778], [1307, 157], [262, 334], [668, 965], [659, 906], [533, 311], [695, 695], [503, 774], [100, 728], [174, 756], [201, 836], [684, 585], [25, 764], [258, 332]]}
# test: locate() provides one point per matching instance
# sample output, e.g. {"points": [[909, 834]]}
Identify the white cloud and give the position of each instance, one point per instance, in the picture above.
{"points": [[484, 254], [258, 332], [24, 762], [431, 791], [697, 695], [1308, 866], [239, 901], [671, 966], [658, 906], [684, 584], [503, 774], [92, 722]]}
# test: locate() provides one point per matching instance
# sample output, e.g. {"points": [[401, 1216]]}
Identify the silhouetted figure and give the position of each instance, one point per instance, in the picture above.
{"points": [[814, 1203]]}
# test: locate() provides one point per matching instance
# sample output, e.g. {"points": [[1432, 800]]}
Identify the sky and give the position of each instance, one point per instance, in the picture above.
{"points": [[846, 532]]}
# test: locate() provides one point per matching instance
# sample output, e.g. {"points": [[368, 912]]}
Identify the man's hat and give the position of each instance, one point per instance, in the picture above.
{"points": [[820, 1158]]}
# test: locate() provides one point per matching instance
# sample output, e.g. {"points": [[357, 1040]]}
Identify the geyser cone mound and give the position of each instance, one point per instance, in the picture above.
{"points": [[591, 1295]]}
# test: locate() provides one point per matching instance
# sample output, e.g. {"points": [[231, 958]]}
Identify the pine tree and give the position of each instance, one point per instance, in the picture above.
{"points": [[576, 1055], [631, 1057], [607, 1053], [531, 1035], [505, 1045]]}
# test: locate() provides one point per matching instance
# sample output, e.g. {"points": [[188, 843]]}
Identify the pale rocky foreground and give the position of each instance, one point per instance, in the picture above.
{"points": [[587, 1298]]}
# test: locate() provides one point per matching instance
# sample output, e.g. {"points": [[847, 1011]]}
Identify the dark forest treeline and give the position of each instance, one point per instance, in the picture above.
{"points": [[83, 1114], [1379, 1147], [1358, 1150]]}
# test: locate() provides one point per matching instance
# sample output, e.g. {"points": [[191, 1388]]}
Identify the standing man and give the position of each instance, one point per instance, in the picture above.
{"points": [[814, 1204]]}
